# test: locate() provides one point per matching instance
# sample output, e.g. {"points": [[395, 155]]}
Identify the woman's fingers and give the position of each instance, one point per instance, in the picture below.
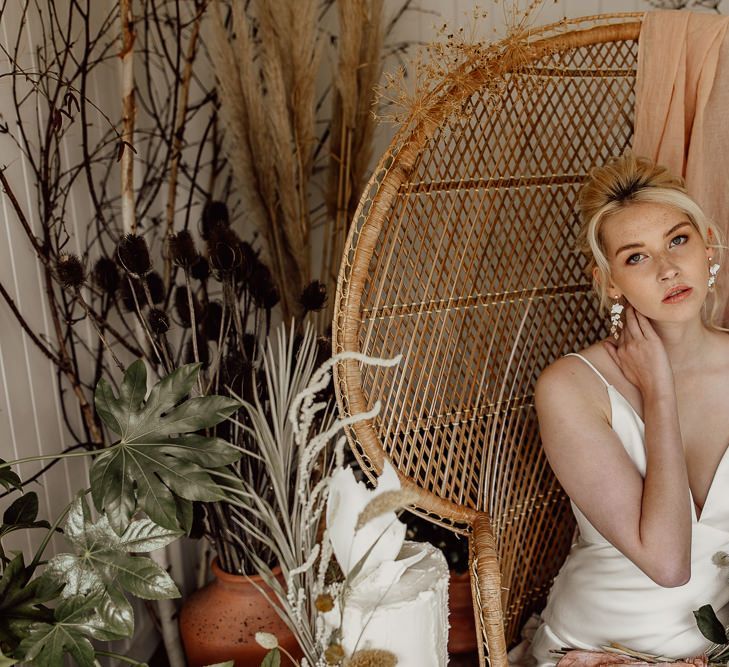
{"points": [[631, 322], [645, 325]]}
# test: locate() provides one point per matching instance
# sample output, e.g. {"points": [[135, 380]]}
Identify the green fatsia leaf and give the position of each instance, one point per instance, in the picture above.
{"points": [[101, 566], [159, 460], [115, 618], [21, 515], [22, 600], [23, 510], [709, 625], [47, 643]]}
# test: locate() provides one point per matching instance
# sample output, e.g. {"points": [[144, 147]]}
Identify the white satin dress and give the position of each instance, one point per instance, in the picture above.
{"points": [[601, 596]]}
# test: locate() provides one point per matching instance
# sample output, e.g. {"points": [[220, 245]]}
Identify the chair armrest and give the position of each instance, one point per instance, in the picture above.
{"points": [[486, 590]]}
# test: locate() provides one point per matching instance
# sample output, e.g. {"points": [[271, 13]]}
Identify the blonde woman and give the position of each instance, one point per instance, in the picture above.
{"points": [[636, 427]]}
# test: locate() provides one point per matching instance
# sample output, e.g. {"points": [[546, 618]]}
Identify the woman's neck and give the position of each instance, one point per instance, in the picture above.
{"points": [[688, 344]]}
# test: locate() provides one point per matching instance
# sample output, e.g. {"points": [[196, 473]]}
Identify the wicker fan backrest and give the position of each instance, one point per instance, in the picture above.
{"points": [[462, 258]]}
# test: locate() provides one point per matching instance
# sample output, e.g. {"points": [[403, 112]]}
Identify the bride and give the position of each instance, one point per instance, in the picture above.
{"points": [[636, 427]]}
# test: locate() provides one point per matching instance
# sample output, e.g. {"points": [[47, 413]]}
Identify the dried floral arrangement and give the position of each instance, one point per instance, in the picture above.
{"points": [[159, 270], [300, 436]]}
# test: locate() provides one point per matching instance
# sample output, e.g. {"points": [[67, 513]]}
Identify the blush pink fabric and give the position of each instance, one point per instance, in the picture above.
{"points": [[682, 106]]}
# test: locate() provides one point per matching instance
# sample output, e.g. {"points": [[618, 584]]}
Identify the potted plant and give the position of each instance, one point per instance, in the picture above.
{"points": [[140, 498]]}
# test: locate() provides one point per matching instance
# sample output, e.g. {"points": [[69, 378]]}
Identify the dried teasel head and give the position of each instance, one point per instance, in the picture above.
{"points": [[212, 320], [262, 288], [372, 658], [70, 271], [224, 251], [200, 270], [106, 275], [133, 255], [159, 323], [215, 214], [156, 287], [314, 296], [182, 249]]}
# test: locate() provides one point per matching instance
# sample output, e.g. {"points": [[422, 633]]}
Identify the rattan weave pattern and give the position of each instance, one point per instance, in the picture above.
{"points": [[461, 257]]}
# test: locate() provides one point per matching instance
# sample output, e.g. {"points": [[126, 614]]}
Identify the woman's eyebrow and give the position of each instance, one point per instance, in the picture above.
{"points": [[630, 246]]}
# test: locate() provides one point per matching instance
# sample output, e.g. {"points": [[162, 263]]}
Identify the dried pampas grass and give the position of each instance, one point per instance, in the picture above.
{"points": [[266, 77], [359, 68]]}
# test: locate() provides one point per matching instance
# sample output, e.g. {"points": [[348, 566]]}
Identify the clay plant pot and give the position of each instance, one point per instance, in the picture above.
{"points": [[462, 635], [219, 622]]}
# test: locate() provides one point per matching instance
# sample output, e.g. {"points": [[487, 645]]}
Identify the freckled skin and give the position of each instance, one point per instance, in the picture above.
{"points": [[642, 275]]}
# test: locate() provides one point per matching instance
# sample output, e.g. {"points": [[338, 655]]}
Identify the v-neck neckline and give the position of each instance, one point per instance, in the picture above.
{"points": [[716, 472]]}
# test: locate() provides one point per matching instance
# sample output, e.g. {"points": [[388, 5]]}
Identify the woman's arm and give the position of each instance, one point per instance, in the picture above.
{"points": [[648, 520]]}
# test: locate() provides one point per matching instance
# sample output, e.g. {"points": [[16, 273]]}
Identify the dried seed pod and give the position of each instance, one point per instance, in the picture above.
{"points": [[334, 654], [133, 254], [200, 270], [212, 320], [70, 271], [215, 214], [156, 287], [324, 602], [372, 658], [106, 275], [182, 249], [159, 323], [262, 288], [224, 250], [314, 296]]}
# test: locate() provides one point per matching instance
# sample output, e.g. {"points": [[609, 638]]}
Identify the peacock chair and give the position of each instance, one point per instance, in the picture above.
{"points": [[461, 257]]}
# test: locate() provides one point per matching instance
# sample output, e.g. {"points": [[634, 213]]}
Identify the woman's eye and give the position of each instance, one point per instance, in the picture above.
{"points": [[682, 238], [634, 259]]}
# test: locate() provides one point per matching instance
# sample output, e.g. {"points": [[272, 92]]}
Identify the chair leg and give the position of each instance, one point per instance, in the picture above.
{"points": [[486, 589]]}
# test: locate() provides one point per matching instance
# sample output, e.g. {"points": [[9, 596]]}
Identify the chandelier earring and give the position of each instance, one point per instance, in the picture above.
{"points": [[713, 270], [616, 323]]}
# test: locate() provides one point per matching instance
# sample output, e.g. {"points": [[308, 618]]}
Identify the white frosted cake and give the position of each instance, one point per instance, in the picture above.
{"points": [[409, 618], [396, 598]]}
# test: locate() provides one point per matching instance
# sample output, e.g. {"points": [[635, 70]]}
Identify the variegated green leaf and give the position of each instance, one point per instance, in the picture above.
{"points": [[46, 643], [160, 463]]}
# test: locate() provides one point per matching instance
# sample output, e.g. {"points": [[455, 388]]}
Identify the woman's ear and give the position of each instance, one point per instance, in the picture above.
{"points": [[611, 286]]}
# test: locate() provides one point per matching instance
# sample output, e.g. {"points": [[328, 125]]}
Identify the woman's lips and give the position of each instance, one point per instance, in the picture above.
{"points": [[679, 297]]}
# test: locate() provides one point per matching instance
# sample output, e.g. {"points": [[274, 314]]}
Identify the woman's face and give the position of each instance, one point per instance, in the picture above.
{"points": [[653, 249]]}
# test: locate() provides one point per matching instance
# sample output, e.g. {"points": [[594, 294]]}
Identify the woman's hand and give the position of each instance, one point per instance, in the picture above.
{"points": [[641, 356]]}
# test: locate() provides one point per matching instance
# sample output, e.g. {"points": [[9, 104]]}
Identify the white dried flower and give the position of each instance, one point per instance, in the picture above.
{"points": [[267, 640]]}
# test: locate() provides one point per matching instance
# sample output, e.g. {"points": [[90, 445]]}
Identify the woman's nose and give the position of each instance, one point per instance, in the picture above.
{"points": [[667, 271]]}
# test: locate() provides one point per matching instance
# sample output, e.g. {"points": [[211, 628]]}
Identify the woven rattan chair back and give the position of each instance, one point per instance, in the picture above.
{"points": [[461, 257]]}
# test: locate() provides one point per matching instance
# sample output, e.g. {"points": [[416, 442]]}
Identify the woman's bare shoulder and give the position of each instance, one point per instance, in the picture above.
{"points": [[570, 382], [572, 370]]}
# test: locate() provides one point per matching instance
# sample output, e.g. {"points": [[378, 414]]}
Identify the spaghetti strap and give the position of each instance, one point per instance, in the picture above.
{"points": [[599, 374]]}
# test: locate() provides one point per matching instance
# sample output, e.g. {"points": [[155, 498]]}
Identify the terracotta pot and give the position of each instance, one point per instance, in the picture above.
{"points": [[219, 622], [462, 635]]}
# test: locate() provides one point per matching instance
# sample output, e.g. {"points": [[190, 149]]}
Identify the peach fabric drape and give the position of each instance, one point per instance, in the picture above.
{"points": [[682, 107]]}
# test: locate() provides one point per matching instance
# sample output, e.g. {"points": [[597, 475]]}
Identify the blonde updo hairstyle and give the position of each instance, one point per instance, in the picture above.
{"points": [[615, 186]]}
